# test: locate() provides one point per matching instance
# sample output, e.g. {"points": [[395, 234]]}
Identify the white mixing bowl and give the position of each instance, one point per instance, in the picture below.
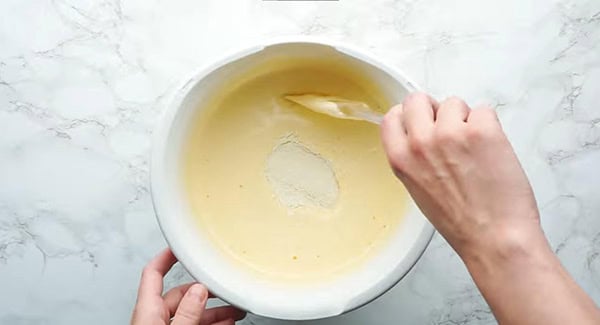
{"points": [[206, 264]]}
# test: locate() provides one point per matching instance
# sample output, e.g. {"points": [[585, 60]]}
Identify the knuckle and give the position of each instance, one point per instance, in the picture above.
{"points": [[486, 113], [397, 159], [488, 127], [419, 144], [394, 151], [400, 171], [487, 109], [416, 97], [480, 133], [392, 120], [455, 101], [490, 112]]}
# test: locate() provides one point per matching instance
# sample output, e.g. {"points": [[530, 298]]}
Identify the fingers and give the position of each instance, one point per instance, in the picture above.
{"points": [[419, 113], [483, 114], [484, 121], [151, 283], [192, 306], [393, 132], [412, 120], [407, 128], [393, 136], [225, 322], [452, 111], [223, 313], [174, 296]]}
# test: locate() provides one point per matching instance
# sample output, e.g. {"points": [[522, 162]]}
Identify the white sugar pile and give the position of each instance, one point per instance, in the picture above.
{"points": [[301, 177]]}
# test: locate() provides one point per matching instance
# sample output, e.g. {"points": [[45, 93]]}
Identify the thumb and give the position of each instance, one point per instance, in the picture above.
{"points": [[192, 306]]}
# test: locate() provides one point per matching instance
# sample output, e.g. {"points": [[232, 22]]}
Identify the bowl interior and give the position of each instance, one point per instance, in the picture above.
{"points": [[207, 265]]}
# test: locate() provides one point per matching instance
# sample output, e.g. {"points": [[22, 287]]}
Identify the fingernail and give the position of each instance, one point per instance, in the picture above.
{"points": [[197, 290]]}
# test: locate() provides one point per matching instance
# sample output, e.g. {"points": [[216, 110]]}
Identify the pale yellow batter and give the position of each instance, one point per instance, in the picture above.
{"points": [[286, 192]]}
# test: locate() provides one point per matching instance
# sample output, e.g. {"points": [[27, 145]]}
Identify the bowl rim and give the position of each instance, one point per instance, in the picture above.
{"points": [[159, 148]]}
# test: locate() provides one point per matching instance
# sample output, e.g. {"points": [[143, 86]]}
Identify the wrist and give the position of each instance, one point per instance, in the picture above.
{"points": [[523, 281], [510, 245]]}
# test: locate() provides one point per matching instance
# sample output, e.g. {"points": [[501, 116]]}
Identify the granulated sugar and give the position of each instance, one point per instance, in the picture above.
{"points": [[301, 177]]}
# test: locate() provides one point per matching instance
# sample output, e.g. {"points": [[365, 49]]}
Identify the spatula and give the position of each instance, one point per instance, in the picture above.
{"points": [[337, 107]]}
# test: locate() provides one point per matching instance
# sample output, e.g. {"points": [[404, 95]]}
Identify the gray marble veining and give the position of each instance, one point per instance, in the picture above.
{"points": [[82, 84]]}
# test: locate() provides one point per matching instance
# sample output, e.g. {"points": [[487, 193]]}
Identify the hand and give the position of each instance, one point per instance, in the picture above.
{"points": [[462, 172], [186, 304]]}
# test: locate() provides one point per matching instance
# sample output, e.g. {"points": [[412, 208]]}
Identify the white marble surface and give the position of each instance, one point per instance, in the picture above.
{"points": [[83, 82]]}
